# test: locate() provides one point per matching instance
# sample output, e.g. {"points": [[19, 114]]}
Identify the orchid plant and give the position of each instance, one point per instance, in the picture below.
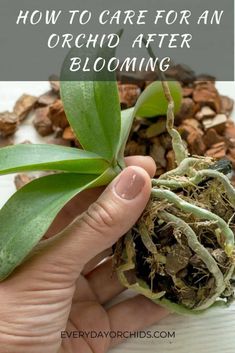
{"points": [[93, 111]]}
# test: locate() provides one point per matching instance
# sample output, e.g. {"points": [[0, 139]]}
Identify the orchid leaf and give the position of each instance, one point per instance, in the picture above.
{"points": [[91, 103], [30, 157], [30, 211], [94, 115], [152, 102], [127, 117]]}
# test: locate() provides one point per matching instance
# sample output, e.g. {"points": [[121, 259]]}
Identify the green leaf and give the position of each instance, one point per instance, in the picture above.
{"points": [[49, 157], [91, 102], [29, 212], [93, 111], [152, 102], [127, 117]]}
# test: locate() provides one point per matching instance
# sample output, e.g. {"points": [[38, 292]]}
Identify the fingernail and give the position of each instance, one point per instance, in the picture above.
{"points": [[129, 184]]}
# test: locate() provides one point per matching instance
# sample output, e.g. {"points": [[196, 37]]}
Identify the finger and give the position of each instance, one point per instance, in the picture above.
{"points": [[92, 264], [80, 203], [106, 220], [73, 209], [145, 162], [134, 314], [104, 282]]}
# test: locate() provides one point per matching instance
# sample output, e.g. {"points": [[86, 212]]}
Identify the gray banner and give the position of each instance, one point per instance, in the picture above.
{"points": [[36, 37]]}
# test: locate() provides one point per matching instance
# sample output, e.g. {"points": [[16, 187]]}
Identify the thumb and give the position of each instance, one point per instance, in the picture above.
{"points": [[106, 220]]}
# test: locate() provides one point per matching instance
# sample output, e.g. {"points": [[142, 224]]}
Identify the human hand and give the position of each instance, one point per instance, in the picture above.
{"points": [[60, 288]]}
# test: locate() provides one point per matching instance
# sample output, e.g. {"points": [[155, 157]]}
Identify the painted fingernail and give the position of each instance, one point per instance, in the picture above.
{"points": [[129, 184]]}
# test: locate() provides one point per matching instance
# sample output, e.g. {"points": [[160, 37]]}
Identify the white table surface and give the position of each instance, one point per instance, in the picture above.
{"points": [[213, 332]]}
